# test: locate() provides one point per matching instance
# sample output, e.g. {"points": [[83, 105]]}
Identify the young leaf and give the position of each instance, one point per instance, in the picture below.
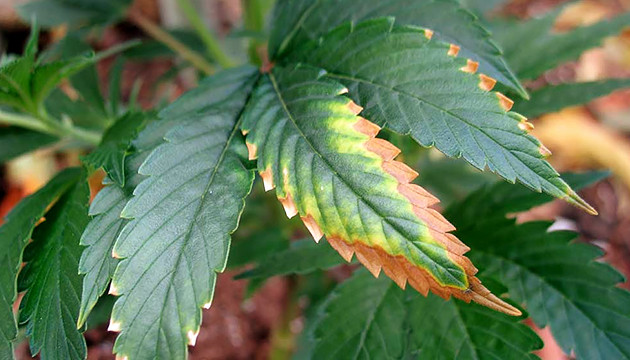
{"points": [[330, 169], [303, 20], [415, 85], [304, 256], [532, 47], [182, 216], [50, 306], [366, 318], [97, 262], [14, 234], [560, 284], [15, 141], [113, 149], [555, 98]]}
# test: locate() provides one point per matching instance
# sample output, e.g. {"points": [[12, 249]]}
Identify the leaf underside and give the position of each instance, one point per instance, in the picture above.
{"points": [[415, 85], [328, 167], [305, 20], [182, 216], [50, 306]]}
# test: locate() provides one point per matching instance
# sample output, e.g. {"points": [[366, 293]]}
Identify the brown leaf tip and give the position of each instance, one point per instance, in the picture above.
{"points": [[289, 206], [486, 82], [428, 34], [366, 127], [471, 67], [252, 151], [356, 109], [313, 228], [267, 177], [453, 50], [505, 102]]}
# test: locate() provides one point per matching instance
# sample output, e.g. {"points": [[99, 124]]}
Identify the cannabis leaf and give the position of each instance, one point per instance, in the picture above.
{"points": [[559, 283], [531, 47], [408, 83], [111, 153], [330, 169], [15, 141], [557, 280], [99, 236], [367, 318], [554, 98], [305, 20], [14, 234], [50, 306], [182, 216], [303, 256]]}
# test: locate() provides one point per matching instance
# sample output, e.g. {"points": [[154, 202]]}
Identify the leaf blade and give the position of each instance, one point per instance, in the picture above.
{"points": [[14, 234], [50, 277], [451, 22], [199, 166], [16, 141], [409, 83], [318, 154]]}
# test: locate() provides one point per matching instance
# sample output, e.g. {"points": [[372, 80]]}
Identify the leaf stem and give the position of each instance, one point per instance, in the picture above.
{"points": [[153, 30], [49, 126], [253, 17], [214, 49]]}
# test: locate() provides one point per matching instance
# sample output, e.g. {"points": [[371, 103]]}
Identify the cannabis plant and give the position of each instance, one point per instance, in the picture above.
{"points": [[332, 92]]}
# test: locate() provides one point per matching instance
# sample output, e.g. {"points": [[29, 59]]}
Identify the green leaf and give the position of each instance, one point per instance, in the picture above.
{"points": [[328, 167], [456, 330], [531, 47], [365, 318], [302, 257], [560, 284], [50, 13], [303, 20], [182, 216], [113, 149], [258, 246], [501, 199], [14, 234], [408, 83], [97, 262], [50, 306], [15, 141], [554, 98]]}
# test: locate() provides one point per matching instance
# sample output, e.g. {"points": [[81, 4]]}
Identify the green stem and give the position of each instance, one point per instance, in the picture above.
{"points": [[49, 127], [153, 30], [253, 17], [214, 49]]}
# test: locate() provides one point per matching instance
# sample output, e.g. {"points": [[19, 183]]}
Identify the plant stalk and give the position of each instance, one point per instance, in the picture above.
{"points": [[49, 127], [214, 49], [153, 30]]}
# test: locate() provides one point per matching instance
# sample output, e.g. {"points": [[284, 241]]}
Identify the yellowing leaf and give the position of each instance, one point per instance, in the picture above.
{"points": [[328, 166]]}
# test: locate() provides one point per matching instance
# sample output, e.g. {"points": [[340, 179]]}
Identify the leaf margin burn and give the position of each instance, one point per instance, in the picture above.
{"points": [[398, 267]]}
